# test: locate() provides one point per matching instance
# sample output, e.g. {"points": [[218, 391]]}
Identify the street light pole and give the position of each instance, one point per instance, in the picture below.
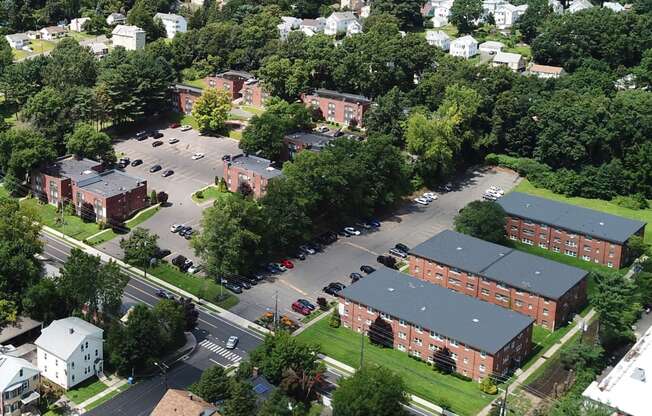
{"points": [[163, 369]]}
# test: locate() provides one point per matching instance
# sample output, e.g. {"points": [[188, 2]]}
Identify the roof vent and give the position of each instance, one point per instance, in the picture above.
{"points": [[602, 223], [72, 330], [269, 168], [87, 172], [390, 289], [423, 308], [527, 205], [459, 248], [475, 320], [537, 272], [639, 374]]}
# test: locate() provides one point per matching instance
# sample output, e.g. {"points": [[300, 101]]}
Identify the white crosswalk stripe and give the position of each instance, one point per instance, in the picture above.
{"points": [[221, 351]]}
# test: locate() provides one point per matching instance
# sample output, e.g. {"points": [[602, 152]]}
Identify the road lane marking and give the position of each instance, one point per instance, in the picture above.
{"points": [[291, 286]]}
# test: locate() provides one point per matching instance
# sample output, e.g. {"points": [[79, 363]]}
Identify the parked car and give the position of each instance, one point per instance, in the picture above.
{"points": [[398, 253], [175, 228], [374, 223], [351, 231], [123, 162], [174, 125], [430, 195], [246, 279], [355, 276], [142, 135], [489, 197], [322, 129], [315, 246], [188, 234], [280, 267], [307, 304], [186, 265], [162, 252], [300, 308], [343, 233], [421, 201], [156, 143], [155, 168], [179, 260], [167, 172], [364, 225], [333, 288], [497, 189], [173, 140], [402, 247], [197, 156], [367, 269], [231, 342], [157, 135], [186, 127], [195, 268], [300, 255], [448, 187], [287, 264], [233, 287], [306, 249], [387, 261], [137, 162], [226, 157], [260, 276], [272, 268]]}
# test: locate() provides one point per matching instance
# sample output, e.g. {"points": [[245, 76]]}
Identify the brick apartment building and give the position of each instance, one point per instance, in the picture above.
{"points": [[547, 291], [230, 81], [114, 195], [253, 93], [574, 231], [184, 97], [438, 325], [338, 107], [253, 170], [307, 140]]}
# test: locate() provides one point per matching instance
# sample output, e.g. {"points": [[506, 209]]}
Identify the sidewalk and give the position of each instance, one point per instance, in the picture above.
{"points": [[134, 271], [544, 357], [113, 385]]}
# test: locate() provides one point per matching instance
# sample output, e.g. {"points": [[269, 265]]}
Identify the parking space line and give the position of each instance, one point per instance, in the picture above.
{"points": [[361, 248], [291, 286]]}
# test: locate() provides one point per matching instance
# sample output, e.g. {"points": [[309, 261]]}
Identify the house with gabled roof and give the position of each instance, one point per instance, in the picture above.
{"points": [[464, 47], [19, 385]]}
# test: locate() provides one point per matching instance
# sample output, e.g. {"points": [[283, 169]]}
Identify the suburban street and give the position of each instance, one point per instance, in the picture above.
{"points": [[211, 334]]}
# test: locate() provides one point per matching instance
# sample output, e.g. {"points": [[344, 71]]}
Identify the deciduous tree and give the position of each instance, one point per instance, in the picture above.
{"points": [[482, 219], [140, 247], [464, 14], [212, 110], [86, 141], [213, 385], [371, 391]]}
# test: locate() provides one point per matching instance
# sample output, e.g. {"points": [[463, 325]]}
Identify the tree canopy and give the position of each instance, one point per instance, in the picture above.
{"points": [[482, 219]]}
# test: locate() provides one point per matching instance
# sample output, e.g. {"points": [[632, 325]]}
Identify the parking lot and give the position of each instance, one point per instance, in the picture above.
{"points": [[189, 176], [411, 225]]}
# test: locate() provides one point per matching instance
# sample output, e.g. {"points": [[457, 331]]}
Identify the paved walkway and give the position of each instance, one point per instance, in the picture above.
{"points": [[547, 354], [113, 384]]}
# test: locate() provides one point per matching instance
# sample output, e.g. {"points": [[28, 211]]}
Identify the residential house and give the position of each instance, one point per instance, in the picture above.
{"points": [[490, 6], [365, 11], [173, 23], [183, 403], [184, 97], [34, 34], [342, 23], [464, 47], [438, 11], [338, 107], [107, 195], [77, 25], [99, 49], [491, 47], [353, 5], [52, 32], [287, 25], [17, 40], [313, 26], [132, 38], [116, 19], [19, 385], [70, 351], [513, 61], [252, 171], [437, 325], [556, 6], [230, 81], [439, 39], [578, 5], [506, 15], [253, 93], [546, 71], [438, 22], [307, 140], [575, 231], [22, 331], [547, 291], [624, 390], [615, 7]]}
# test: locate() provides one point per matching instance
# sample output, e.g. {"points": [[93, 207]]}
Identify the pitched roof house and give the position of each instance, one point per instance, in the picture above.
{"points": [[131, 38], [77, 25], [513, 61], [116, 19], [342, 22], [19, 383], [52, 32], [439, 39], [173, 23], [491, 47], [17, 40], [464, 47], [546, 71], [182, 403], [578, 5]]}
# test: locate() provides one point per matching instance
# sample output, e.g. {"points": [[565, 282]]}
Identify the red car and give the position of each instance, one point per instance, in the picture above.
{"points": [[300, 308], [287, 264], [175, 125]]}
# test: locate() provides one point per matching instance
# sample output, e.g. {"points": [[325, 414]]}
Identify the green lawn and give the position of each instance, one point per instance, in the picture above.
{"points": [[197, 83], [209, 194], [253, 110], [19, 54], [86, 390], [343, 345], [524, 50], [202, 287], [109, 234], [80, 36], [596, 204], [235, 134], [544, 339], [449, 29], [107, 397], [73, 226], [4, 192]]}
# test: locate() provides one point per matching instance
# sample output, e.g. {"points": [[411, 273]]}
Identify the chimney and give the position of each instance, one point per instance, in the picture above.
{"points": [[254, 372], [72, 331], [191, 397]]}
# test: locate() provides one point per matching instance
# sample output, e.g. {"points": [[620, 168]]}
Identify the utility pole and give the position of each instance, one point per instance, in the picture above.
{"points": [[361, 346], [276, 310], [503, 408]]}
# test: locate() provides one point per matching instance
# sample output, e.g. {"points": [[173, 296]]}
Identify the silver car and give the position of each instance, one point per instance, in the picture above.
{"points": [[232, 342]]}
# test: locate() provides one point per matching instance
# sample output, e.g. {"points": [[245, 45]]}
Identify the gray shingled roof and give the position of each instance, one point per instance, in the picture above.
{"points": [[515, 268], [355, 98], [481, 325], [63, 336], [255, 164], [570, 217], [308, 138]]}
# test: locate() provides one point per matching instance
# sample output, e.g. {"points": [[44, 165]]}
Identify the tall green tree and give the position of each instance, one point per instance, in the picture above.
{"points": [[8, 313], [19, 245], [242, 401], [530, 23], [264, 136], [48, 112], [482, 219], [22, 150], [617, 305], [140, 247], [212, 110], [464, 14], [171, 316], [371, 391], [284, 78], [276, 405], [86, 141], [70, 64], [44, 302], [408, 13], [6, 56], [142, 15], [213, 385]]}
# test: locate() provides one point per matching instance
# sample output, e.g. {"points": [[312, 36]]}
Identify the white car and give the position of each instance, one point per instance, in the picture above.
{"points": [[194, 268], [307, 249], [231, 342], [176, 227], [497, 190], [492, 193], [280, 267], [351, 231], [197, 156], [186, 127], [173, 140], [430, 195], [421, 201]]}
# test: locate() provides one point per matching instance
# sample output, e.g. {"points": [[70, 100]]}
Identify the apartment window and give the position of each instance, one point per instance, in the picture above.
{"points": [[416, 353], [453, 282], [418, 341], [586, 258], [454, 343], [465, 360], [542, 236], [483, 354], [485, 292], [587, 249], [513, 237], [402, 335], [527, 241], [570, 253], [481, 368], [385, 316], [545, 312], [453, 356], [470, 276], [435, 335], [570, 243], [439, 276], [555, 249], [433, 347], [401, 347], [501, 286], [518, 303], [370, 309], [610, 264], [470, 286], [368, 321], [401, 322], [543, 245], [529, 306], [430, 360], [417, 328]]}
